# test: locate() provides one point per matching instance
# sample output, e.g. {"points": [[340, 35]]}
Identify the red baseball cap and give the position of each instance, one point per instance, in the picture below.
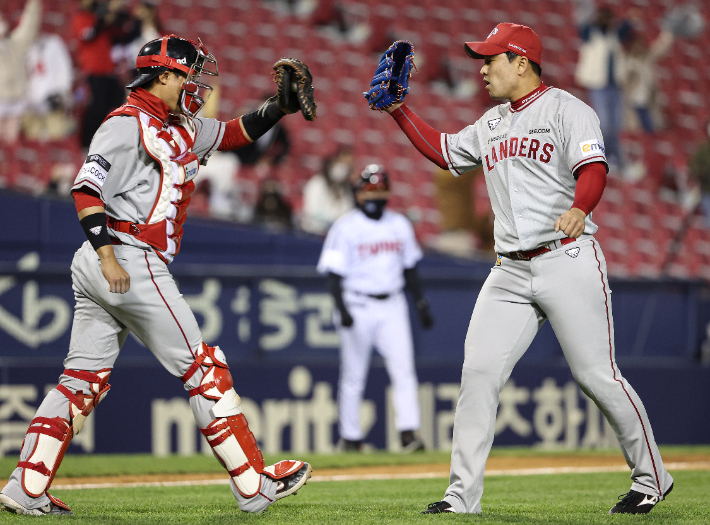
{"points": [[521, 40]]}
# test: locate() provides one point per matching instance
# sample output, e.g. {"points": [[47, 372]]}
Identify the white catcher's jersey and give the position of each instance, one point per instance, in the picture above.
{"points": [[529, 156], [370, 255]]}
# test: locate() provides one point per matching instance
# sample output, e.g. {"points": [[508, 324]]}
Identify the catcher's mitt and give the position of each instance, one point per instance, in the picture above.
{"points": [[295, 87], [391, 80]]}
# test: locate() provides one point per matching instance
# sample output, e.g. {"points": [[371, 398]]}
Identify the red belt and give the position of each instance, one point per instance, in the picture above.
{"points": [[526, 255]]}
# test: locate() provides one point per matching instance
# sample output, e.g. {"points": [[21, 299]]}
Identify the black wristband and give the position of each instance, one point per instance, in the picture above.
{"points": [[263, 119], [96, 231]]}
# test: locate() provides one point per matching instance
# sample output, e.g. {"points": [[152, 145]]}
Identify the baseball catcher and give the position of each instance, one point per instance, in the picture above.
{"points": [[132, 195]]}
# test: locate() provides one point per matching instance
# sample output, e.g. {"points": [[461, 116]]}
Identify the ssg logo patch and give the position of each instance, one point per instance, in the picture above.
{"points": [[492, 124], [572, 252]]}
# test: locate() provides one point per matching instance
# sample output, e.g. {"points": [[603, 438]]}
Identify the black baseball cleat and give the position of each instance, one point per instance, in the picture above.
{"points": [[411, 442], [290, 484], [352, 446], [634, 502], [55, 506], [438, 507]]}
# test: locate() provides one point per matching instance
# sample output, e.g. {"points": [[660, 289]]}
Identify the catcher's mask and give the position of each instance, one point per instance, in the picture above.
{"points": [[173, 53], [373, 178]]}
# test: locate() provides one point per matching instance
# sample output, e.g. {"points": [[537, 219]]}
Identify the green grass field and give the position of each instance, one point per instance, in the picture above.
{"points": [[556, 499]]}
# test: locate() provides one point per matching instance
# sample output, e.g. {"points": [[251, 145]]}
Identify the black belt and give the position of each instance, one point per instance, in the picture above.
{"points": [[529, 254], [379, 296]]}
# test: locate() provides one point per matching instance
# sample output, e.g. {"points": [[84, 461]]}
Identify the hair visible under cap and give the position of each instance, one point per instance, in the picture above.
{"points": [[534, 65]]}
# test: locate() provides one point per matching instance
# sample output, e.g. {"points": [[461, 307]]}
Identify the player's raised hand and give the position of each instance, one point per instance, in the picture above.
{"points": [[117, 278], [571, 223]]}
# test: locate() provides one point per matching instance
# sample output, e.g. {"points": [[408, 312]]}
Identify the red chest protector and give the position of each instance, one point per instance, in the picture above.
{"points": [[163, 229]]}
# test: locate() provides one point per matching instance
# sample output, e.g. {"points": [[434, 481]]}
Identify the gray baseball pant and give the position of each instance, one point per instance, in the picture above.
{"points": [[573, 293], [153, 309]]}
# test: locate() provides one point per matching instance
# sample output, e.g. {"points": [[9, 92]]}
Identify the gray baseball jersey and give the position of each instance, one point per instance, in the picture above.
{"points": [[529, 157], [121, 167], [529, 154]]}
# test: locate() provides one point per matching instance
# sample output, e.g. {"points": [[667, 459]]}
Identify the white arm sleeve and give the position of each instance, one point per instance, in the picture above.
{"points": [[334, 256]]}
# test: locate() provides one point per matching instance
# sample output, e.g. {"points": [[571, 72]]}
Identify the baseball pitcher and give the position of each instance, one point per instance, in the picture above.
{"points": [[131, 196], [543, 157]]}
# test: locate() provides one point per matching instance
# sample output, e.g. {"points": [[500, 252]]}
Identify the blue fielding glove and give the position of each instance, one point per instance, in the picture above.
{"points": [[391, 81]]}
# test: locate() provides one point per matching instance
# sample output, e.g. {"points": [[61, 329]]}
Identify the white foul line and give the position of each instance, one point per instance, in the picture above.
{"points": [[687, 465]]}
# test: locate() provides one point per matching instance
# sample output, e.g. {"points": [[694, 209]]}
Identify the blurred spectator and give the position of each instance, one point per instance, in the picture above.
{"points": [[144, 26], [226, 199], [62, 177], [463, 231], [272, 209], [95, 28], [50, 89], [639, 74], [13, 77], [600, 71], [327, 195], [700, 171]]}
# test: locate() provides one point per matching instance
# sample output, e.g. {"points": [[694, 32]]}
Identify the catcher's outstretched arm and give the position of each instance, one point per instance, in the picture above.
{"points": [[246, 129], [425, 138]]}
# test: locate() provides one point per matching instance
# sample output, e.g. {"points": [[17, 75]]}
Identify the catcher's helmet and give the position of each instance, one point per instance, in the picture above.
{"points": [[173, 53], [373, 178]]}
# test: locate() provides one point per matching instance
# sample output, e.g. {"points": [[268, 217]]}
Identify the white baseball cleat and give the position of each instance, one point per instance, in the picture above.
{"points": [[55, 506]]}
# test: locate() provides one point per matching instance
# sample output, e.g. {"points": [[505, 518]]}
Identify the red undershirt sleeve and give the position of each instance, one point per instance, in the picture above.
{"points": [[86, 198], [425, 138], [234, 137], [591, 180]]}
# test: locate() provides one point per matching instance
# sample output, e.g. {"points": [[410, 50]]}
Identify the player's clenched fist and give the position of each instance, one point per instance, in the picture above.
{"points": [[118, 279], [571, 223]]}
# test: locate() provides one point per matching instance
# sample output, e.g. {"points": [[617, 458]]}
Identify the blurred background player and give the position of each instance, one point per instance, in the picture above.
{"points": [[370, 254], [327, 195]]}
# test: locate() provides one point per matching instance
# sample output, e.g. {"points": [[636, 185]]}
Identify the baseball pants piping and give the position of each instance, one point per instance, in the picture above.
{"points": [[517, 297], [153, 309]]}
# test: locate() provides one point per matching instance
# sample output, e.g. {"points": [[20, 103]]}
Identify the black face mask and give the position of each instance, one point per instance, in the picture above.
{"points": [[374, 208]]}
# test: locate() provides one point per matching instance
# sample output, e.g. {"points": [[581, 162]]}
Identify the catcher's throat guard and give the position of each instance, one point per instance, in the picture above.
{"points": [[195, 93]]}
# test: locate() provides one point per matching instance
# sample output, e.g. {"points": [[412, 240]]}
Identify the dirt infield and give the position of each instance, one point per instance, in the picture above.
{"points": [[496, 465]]}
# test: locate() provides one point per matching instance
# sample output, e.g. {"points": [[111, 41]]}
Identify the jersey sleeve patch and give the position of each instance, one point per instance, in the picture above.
{"points": [[95, 168], [592, 147]]}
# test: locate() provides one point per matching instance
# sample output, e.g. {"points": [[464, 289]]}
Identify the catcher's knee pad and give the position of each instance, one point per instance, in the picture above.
{"points": [[82, 404], [229, 435], [55, 434]]}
